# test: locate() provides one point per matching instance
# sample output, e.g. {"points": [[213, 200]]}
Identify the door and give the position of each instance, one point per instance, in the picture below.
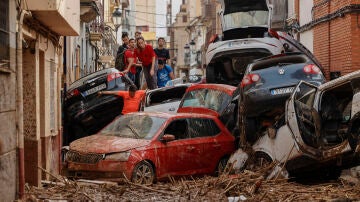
{"points": [[178, 157], [302, 118]]}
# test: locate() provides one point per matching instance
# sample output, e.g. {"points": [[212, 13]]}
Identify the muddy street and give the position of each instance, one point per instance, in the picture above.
{"points": [[246, 186]]}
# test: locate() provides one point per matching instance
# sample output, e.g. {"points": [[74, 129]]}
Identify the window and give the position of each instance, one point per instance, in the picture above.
{"points": [[4, 34], [178, 129], [202, 128]]}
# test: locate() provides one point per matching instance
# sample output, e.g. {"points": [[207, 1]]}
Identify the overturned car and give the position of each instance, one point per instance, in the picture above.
{"points": [[320, 128]]}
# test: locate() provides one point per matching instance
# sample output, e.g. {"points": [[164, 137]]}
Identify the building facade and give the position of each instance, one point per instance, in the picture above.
{"points": [[331, 30], [30, 89]]}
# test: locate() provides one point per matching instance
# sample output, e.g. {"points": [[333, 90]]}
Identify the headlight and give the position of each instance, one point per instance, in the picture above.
{"points": [[122, 156]]}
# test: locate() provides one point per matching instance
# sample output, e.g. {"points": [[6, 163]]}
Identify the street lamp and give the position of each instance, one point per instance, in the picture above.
{"points": [[117, 17]]}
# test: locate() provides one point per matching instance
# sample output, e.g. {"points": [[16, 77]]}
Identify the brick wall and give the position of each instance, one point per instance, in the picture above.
{"points": [[337, 42]]}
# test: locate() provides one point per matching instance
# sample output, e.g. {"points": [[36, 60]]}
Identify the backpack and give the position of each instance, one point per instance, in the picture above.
{"points": [[120, 60]]}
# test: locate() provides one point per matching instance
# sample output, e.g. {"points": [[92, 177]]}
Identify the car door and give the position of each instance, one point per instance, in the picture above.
{"points": [[305, 122], [178, 157]]}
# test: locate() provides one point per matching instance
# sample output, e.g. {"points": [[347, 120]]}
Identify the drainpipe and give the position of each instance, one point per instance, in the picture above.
{"points": [[20, 103]]}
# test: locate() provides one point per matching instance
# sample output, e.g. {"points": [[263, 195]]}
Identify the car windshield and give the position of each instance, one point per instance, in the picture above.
{"points": [[246, 19], [134, 126], [208, 98]]}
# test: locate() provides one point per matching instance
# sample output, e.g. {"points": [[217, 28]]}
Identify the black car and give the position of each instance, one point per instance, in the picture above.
{"points": [[268, 83], [85, 112]]}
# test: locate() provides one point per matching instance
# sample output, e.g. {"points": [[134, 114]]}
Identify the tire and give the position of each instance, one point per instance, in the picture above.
{"points": [[221, 166], [143, 173], [262, 159]]}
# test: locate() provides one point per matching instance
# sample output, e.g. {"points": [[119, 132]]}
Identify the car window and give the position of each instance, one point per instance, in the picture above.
{"points": [[134, 126], [208, 98], [202, 128], [178, 128]]}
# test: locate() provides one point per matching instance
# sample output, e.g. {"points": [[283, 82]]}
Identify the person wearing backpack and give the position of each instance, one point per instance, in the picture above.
{"points": [[164, 73], [120, 60]]}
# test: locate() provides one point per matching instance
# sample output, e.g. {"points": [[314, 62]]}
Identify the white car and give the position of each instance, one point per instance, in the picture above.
{"points": [[247, 36], [321, 128], [165, 99]]}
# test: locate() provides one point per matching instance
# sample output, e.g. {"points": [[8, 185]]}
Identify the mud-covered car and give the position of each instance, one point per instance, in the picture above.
{"points": [[85, 112], [215, 99], [268, 83], [165, 99], [247, 35], [146, 147], [320, 129]]}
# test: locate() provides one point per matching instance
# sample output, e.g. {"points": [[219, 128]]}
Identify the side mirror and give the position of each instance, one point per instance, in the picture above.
{"points": [[167, 138]]}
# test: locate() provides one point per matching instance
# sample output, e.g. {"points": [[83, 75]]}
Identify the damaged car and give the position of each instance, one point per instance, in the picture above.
{"points": [[267, 84], [147, 147], [247, 35], [320, 129], [215, 99], [165, 99], [85, 112]]}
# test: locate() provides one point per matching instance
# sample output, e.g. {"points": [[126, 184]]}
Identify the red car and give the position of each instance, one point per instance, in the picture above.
{"points": [[151, 146], [220, 100]]}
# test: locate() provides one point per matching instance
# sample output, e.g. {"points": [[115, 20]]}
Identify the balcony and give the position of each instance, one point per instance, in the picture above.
{"points": [[62, 17]]}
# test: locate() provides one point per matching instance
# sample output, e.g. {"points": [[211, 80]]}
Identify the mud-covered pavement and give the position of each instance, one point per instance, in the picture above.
{"points": [[248, 185]]}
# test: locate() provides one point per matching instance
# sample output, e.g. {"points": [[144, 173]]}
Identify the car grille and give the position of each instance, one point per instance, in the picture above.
{"points": [[73, 156]]}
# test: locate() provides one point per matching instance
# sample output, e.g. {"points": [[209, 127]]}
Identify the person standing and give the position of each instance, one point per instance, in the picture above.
{"points": [[145, 53], [164, 73], [161, 52], [131, 63], [119, 60], [132, 98]]}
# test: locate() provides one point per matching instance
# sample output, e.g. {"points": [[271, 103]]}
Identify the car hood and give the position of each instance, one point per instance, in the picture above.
{"points": [[106, 144]]}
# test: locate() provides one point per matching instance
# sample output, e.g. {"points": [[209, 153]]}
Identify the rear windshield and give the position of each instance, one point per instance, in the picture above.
{"points": [[207, 98]]}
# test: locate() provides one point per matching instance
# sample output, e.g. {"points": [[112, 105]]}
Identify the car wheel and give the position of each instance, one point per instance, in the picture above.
{"points": [[143, 173], [262, 160], [221, 166]]}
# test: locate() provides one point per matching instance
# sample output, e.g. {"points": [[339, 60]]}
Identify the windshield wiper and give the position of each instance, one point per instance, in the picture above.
{"points": [[134, 131]]}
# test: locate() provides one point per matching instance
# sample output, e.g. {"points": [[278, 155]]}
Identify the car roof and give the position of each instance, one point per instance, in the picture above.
{"points": [[228, 89]]}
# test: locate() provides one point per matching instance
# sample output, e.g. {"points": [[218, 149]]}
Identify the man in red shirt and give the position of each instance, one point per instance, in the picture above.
{"points": [[146, 55], [131, 63], [132, 98]]}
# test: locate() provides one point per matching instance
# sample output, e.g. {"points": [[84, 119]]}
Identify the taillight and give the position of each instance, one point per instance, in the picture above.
{"points": [[113, 76], [311, 69], [273, 33], [249, 79], [72, 93]]}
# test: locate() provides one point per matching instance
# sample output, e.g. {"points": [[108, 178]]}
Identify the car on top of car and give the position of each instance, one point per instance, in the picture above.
{"points": [[246, 36], [85, 112], [268, 83]]}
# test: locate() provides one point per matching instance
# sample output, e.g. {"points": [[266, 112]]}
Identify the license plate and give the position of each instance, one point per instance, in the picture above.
{"points": [[95, 89], [280, 91]]}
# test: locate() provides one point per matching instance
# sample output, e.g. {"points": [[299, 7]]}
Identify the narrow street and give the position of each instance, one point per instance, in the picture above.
{"points": [[247, 186]]}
